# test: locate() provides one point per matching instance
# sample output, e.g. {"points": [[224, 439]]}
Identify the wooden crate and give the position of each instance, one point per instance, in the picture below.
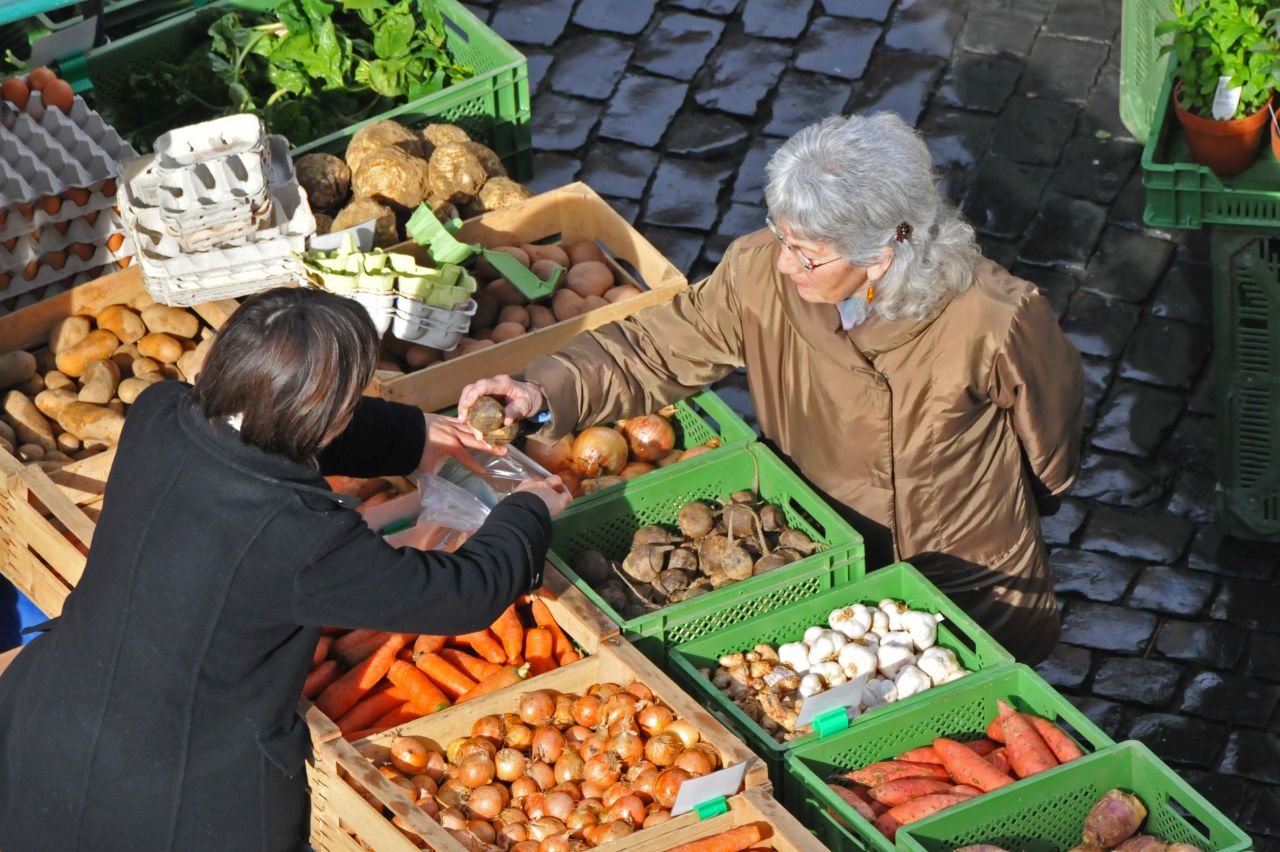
{"points": [[336, 806], [573, 212], [754, 805]]}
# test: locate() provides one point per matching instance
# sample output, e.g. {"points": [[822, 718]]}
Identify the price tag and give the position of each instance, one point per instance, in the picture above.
{"points": [[1225, 100], [832, 704], [74, 39], [696, 793], [332, 241]]}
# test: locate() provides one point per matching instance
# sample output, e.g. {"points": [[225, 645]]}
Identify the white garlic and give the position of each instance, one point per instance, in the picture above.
{"points": [[795, 656], [849, 622], [829, 670], [923, 627], [879, 691], [891, 658], [898, 637], [825, 646], [938, 663], [911, 680], [879, 622], [856, 659], [810, 684], [893, 610], [813, 633]]}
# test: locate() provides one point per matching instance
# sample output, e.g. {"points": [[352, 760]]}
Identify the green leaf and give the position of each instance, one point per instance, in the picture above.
{"points": [[392, 34], [288, 79]]}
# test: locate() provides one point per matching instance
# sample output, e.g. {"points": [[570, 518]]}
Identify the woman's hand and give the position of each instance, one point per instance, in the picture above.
{"points": [[551, 490], [447, 436], [520, 400]]}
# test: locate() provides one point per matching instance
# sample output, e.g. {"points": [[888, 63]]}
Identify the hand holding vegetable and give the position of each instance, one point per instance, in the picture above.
{"points": [[551, 490], [447, 436], [521, 400]]}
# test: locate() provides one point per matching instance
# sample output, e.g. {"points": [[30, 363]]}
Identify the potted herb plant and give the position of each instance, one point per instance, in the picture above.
{"points": [[1225, 83]]}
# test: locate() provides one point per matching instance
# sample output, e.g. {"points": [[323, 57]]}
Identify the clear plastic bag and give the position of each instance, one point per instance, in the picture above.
{"points": [[503, 474]]}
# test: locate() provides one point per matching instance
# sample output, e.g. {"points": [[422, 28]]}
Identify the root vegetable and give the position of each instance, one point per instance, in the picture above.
{"points": [[1062, 746], [893, 770], [505, 331], [566, 304], [924, 806], [1113, 819], [1027, 750], [499, 193], [1143, 843], [162, 319], [122, 322], [516, 314], [854, 801], [455, 173], [599, 450], [385, 230], [97, 345], [101, 379], [57, 380], [443, 133], [591, 303], [583, 251], [28, 423], [505, 293], [192, 361], [544, 269], [621, 293], [16, 367], [131, 388], [553, 253], [381, 133], [649, 436], [392, 176], [91, 422], [417, 356], [67, 442], [589, 278], [967, 767], [326, 178], [30, 453], [161, 347], [905, 789], [141, 366], [68, 332]]}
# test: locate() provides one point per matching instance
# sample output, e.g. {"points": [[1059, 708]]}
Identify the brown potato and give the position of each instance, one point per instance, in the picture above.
{"points": [[192, 361], [393, 177], [584, 250], [31, 386], [29, 425], [505, 293], [566, 304], [176, 322], [141, 366], [100, 379], [55, 380], [540, 316], [16, 367], [590, 303], [67, 332], [92, 422], [98, 345], [130, 388], [324, 223], [67, 442], [123, 322], [544, 269], [418, 356], [504, 331], [589, 278], [51, 402], [385, 231], [326, 178], [482, 334], [621, 292], [514, 313], [466, 346], [142, 300], [387, 365], [550, 252], [161, 347], [369, 139], [487, 308]]}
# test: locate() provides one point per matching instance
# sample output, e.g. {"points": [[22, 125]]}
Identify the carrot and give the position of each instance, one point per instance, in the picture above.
{"points": [[852, 799], [442, 673], [320, 677], [425, 696], [509, 676], [1063, 747], [1000, 760], [538, 645], [357, 645], [427, 644], [511, 632], [474, 667], [1028, 752], [322, 650], [570, 656], [982, 748], [734, 840], [924, 806], [891, 770], [995, 731], [887, 825], [967, 767], [485, 645], [906, 789], [370, 709], [543, 618], [399, 716], [341, 695]]}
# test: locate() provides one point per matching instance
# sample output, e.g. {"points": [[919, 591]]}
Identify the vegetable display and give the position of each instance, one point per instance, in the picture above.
{"points": [[893, 645], [564, 771]]}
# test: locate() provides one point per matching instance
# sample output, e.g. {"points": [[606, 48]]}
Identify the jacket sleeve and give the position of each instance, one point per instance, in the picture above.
{"points": [[1037, 375], [354, 579], [383, 439], [639, 364]]}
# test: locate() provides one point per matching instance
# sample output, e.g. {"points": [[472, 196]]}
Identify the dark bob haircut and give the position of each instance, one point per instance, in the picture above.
{"points": [[292, 362]]}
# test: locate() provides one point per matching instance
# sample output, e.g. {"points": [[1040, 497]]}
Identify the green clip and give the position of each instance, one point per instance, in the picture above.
{"points": [[711, 808], [72, 69], [831, 722], [397, 526]]}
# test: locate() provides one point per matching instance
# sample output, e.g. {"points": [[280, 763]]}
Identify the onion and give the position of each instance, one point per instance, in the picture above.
{"points": [[695, 762], [629, 748], [473, 745], [537, 707], [519, 737], [451, 750], [378, 755], [555, 843], [685, 730], [408, 755], [586, 711], [476, 770], [481, 830], [575, 736], [656, 815], [522, 787], [581, 818], [627, 808], [554, 456], [489, 727], [569, 767], [525, 846], [644, 783], [436, 767], [425, 785], [512, 833], [571, 788], [562, 717], [453, 793], [535, 806], [634, 469], [558, 805], [640, 766], [602, 770], [593, 745], [639, 690], [591, 791], [617, 707], [395, 776], [663, 749], [710, 751], [653, 719], [615, 792], [667, 785], [548, 744], [649, 436], [542, 774], [487, 801], [508, 765], [599, 451], [608, 832], [603, 690], [543, 827], [451, 817], [427, 804], [512, 815]]}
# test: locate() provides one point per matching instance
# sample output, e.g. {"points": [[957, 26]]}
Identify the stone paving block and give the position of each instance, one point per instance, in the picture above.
{"points": [[1192, 497], [678, 46], [871, 10], [1136, 418], [1166, 352], [641, 109], [1127, 208], [680, 247], [1185, 293], [1095, 576], [1034, 130], [1227, 793], [1232, 557], [1096, 169], [1134, 535], [627, 208], [563, 123], [1171, 590], [1253, 754], [1212, 644], [837, 47], [925, 26], [1098, 325], [705, 135], [1098, 374], [683, 192], [1127, 265], [1106, 628], [1100, 117], [1062, 68], [539, 62], [896, 81], [1066, 667], [551, 171], [956, 138], [532, 21], [775, 18], [1180, 739], [1119, 480], [1193, 246], [1150, 682], [802, 99], [1230, 698], [1056, 285], [738, 220], [623, 170], [740, 74], [1005, 196], [711, 7], [1001, 30], [1061, 526], [1107, 715], [1089, 19], [1064, 232], [1264, 816], [590, 65], [748, 187], [1264, 651], [1202, 400], [979, 81], [626, 18], [1192, 446], [1250, 604]]}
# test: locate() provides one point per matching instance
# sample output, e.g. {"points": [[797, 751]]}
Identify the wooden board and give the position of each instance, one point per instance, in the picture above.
{"points": [[752, 806], [29, 327]]}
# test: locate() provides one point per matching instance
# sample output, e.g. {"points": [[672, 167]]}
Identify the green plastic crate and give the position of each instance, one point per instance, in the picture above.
{"points": [[1140, 69], [974, 647], [607, 523], [1246, 352], [1046, 812], [492, 106], [1183, 194], [960, 713]]}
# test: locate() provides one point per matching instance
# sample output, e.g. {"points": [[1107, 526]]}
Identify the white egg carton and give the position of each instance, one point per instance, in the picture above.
{"points": [[216, 170], [225, 283]]}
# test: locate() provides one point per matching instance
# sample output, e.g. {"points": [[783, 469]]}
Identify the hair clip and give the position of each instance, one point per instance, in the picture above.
{"points": [[902, 232]]}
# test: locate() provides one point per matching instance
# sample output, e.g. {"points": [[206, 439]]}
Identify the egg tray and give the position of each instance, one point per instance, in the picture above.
{"points": [[46, 239], [74, 265], [214, 172], [224, 283]]}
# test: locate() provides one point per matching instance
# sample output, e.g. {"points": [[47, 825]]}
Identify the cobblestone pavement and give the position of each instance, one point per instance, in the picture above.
{"points": [[1170, 634]]}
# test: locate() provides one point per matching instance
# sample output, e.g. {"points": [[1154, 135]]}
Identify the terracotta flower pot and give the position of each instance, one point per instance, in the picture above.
{"points": [[1227, 147], [1275, 140]]}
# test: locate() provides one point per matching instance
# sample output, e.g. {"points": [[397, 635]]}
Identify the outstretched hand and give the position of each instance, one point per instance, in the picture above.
{"points": [[520, 400], [453, 437]]}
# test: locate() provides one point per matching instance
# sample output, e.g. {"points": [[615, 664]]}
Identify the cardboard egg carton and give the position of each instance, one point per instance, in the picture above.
{"points": [[224, 283], [213, 170], [43, 270], [18, 251]]}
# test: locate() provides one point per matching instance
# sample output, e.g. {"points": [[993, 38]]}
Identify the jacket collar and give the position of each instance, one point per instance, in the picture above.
{"points": [[877, 335], [225, 443]]}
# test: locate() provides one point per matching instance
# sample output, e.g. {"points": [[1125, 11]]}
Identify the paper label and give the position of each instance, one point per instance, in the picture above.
{"points": [[332, 241], [1225, 100], [695, 791], [845, 695], [77, 38]]}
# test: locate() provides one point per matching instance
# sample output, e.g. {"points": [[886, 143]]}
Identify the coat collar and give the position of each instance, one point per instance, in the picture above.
{"points": [[877, 335], [226, 443]]}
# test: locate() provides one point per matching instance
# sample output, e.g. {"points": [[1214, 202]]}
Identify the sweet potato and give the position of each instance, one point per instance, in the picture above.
{"points": [[995, 731], [16, 367], [854, 801], [161, 347], [905, 789], [967, 767], [1113, 819], [892, 770], [162, 319], [28, 423], [1027, 751], [887, 825], [1063, 747], [67, 332], [91, 422], [122, 322], [99, 344], [1000, 760], [924, 806], [100, 379]]}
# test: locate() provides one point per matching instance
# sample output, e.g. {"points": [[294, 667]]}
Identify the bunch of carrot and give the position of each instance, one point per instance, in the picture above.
{"points": [[372, 680], [920, 782]]}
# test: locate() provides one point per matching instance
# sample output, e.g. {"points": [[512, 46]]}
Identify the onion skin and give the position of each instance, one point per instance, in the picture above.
{"points": [[668, 785], [599, 451], [649, 437], [555, 456], [685, 730], [537, 708]]}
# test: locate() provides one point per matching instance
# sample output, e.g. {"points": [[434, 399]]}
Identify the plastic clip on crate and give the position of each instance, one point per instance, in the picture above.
{"points": [[973, 646], [607, 521], [960, 713], [1046, 812]]}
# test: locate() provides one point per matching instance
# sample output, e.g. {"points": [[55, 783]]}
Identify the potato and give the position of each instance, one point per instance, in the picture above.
{"points": [[590, 303], [444, 134], [544, 269], [141, 366], [466, 346], [621, 292], [162, 319], [117, 405], [565, 304], [31, 386], [67, 332], [485, 269], [582, 251], [46, 360], [51, 402], [16, 367], [161, 347], [192, 362], [326, 178], [100, 382], [540, 316], [482, 334], [377, 135], [55, 380], [29, 425], [455, 173], [514, 313], [7, 446], [388, 365], [30, 452], [324, 223], [141, 301], [589, 278], [505, 293], [504, 331], [90, 422], [385, 231], [499, 193], [67, 442], [98, 345], [392, 176], [418, 356], [553, 253], [123, 323], [487, 308], [7, 433], [130, 388]]}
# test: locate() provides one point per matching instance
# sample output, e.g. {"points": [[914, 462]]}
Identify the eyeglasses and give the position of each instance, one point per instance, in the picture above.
{"points": [[808, 264]]}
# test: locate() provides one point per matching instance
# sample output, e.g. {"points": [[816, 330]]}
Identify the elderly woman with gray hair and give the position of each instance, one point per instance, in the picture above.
{"points": [[920, 386]]}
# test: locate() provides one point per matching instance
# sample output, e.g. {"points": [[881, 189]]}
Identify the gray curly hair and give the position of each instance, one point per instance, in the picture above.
{"points": [[850, 181]]}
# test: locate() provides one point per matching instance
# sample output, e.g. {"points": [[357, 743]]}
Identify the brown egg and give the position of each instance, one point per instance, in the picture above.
{"points": [[51, 204], [39, 78], [15, 91], [58, 94]]}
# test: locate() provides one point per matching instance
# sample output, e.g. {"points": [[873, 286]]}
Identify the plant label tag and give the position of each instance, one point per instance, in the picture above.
{"points": [[332, 241], [846, 695], [76, 38], [1225, 100], [695, 791]]}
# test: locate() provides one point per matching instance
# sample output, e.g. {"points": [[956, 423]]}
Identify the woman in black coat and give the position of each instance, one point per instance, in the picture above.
{"points": [[158, 712]]}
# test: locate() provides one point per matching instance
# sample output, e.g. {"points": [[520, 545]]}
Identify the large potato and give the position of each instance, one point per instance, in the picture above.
{"points": [[488, 158], [456, 173], [99, 344], [16, 367], [91, 422], [28, 423], [163, 319], [385, 232], [376, 135], [326, 178], [390, 175], [122, 322]]}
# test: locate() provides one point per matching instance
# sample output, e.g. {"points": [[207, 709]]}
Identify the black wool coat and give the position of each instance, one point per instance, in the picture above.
{"points": [[158, 711]]}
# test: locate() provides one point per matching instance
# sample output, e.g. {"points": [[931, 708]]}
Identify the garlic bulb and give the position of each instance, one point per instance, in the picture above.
{"points": [[856, 659], [911, 680], [923, 628], [891, 658], [795, 656], [825, 646], [879, 691], [810, 684], [851, 624], [893, 610], [879, 622], [829, 671], [938, 663], [813, 633], [898, 637]]}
